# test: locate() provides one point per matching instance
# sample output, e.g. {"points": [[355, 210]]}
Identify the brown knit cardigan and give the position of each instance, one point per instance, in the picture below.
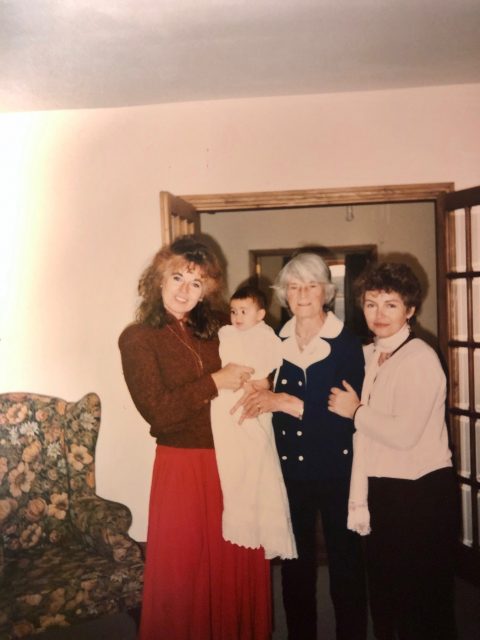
{"points": [[167, 372]]}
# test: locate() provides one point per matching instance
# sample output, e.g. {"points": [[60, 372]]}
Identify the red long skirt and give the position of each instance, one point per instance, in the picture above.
{"points": [[197, 585]]}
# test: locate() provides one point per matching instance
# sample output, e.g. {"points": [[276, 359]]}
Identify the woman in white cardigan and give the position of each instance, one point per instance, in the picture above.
{"points": [[402, 490]]}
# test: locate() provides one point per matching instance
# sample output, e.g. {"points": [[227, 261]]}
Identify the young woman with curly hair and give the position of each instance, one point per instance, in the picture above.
{"points": [[197, 585], [402, 493]]}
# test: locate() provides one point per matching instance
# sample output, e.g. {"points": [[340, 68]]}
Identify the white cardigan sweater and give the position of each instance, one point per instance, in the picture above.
{"points": [[404, 420]]}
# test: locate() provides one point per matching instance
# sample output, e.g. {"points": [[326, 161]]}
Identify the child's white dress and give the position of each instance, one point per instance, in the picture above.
{"points": [[255, 504]]}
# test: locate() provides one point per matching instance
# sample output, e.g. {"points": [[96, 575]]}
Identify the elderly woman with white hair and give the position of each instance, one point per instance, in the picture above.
{"points": [[315, 447]]}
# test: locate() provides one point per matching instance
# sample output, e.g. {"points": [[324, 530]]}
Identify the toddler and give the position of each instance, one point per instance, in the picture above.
{"points": [[255, 504]]}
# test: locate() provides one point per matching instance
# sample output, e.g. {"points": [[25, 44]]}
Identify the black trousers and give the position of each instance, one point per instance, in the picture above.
{"points": [[410, 556], [345, 562]]}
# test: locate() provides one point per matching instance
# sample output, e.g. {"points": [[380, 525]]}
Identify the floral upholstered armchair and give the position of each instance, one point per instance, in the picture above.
{"points": [[65, 553]]}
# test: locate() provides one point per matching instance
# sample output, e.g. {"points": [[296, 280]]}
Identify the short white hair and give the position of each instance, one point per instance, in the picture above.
{"points": [[306, 267]]}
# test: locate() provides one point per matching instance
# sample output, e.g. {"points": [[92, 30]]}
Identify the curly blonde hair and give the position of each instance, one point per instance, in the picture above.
{"points": [[184, 252]]}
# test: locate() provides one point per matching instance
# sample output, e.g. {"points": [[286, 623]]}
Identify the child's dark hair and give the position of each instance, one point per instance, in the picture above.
{"points": [[250, 291]]}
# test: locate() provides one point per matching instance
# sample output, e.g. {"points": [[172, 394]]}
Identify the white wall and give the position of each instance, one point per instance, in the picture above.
{"points": [[79, 218]]}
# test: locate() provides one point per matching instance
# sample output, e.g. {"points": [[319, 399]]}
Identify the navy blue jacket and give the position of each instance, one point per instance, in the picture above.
{"points": [[320, 445]]}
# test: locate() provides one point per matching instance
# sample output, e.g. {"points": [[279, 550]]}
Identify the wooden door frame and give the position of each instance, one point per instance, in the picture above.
{"points": [[296, 199]]}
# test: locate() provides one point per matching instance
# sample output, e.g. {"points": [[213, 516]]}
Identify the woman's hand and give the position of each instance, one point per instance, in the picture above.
{"points": [[255, 400], [232, 376], [343, 402]]}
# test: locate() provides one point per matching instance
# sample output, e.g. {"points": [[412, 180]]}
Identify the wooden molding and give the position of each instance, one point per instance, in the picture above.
{"points": [[316, 197]]}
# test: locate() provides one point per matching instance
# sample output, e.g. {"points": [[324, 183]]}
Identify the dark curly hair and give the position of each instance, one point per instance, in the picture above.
{"points": [[250, 291], [390, 276], [185, 251]]}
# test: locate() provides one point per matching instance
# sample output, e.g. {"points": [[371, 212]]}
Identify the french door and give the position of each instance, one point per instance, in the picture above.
{"points": [[177, 217], [460, 337]]}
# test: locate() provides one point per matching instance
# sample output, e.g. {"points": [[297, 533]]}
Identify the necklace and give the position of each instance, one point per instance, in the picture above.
{"points": [[198, 359]]}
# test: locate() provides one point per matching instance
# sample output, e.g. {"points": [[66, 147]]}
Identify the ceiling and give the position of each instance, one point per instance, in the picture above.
{"points": [[70, 54]]}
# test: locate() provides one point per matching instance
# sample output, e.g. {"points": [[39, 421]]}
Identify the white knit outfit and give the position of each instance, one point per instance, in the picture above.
{"points": [[255, 504], [400, 427]]}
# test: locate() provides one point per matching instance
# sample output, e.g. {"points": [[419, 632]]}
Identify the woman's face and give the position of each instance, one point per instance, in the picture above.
{"points": [[182, 289], [385, 312], [305, 299]]}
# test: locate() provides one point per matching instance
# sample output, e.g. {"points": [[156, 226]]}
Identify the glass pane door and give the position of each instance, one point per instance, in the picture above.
{"points": [[462, 238]]}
